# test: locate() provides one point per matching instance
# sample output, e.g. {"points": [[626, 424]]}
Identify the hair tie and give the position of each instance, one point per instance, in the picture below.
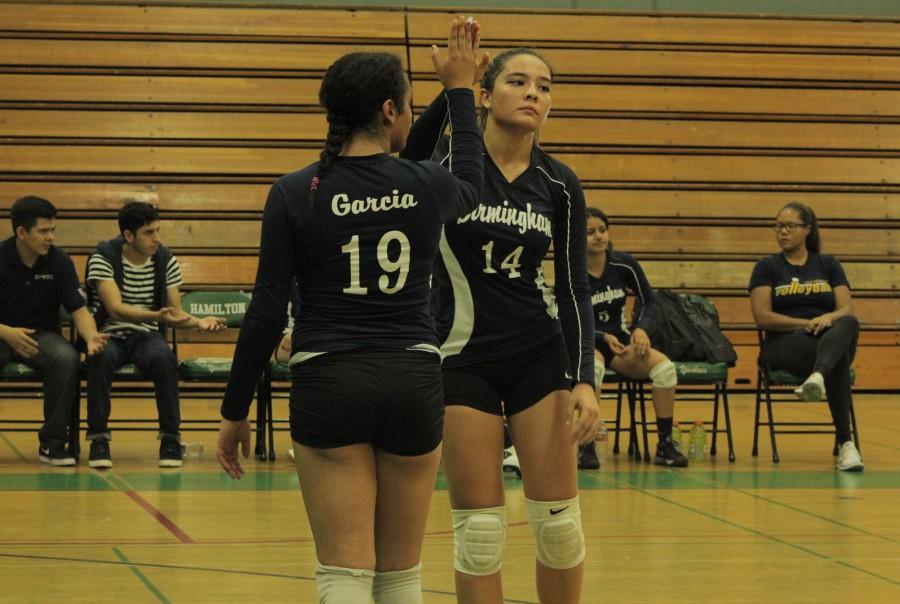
{"points": [[314, 183]]}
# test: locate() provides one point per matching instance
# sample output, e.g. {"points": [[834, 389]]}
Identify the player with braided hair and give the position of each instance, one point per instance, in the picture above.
{"points": [[359, 230]]}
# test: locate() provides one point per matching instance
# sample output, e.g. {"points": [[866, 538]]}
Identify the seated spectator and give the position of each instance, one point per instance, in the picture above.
{"points": [[36, 277], [801, 298], [133, 293], [627, 349]]}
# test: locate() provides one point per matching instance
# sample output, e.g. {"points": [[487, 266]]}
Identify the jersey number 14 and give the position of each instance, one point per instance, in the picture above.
{"points": [[511, 263]]}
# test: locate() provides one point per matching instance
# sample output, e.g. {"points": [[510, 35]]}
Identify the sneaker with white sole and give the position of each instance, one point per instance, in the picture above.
{"points": [[55, 455], [99, 456], [170, 452], [849, 459], [511, 461], [813, 389]]}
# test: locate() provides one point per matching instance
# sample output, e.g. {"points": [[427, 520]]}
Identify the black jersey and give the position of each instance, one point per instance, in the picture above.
{"points": [[621, 276], [490, 294], [362, 255], [803, 292]]}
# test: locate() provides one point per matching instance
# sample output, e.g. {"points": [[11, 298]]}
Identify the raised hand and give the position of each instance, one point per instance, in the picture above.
{"points": [[456, 66]]}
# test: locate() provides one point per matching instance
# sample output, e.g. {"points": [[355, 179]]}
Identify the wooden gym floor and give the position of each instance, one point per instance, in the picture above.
{"points": [[750, 531]]}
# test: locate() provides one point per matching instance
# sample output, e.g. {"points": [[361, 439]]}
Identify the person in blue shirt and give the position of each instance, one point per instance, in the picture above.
{"points": [[801, 298], [359, 231], [622, 340]]}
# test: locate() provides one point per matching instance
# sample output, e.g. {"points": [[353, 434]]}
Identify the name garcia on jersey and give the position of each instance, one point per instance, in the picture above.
{"points": [[341, 205], [525, 220]]}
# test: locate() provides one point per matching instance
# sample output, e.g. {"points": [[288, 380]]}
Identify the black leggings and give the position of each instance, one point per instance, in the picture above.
{"points": [[829, 353]]}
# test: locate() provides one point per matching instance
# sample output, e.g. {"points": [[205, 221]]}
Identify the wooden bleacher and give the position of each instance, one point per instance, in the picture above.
{"points": [[689, 131]]}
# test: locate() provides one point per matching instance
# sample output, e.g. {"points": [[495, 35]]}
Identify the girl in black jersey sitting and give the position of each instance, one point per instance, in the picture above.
{"points": [[512, 345], [359, 230], [801, 298], [625, 346]]}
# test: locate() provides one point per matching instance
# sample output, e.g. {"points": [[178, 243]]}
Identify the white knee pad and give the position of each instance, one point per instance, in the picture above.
{"points": [[479, 536], [398, 586], [344, 585], [664, 375], [557, 532]]}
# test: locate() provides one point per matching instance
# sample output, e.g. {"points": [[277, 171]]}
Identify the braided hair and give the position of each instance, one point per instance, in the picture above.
{"points": [[352, 92], [813, 242], [496, 66]]}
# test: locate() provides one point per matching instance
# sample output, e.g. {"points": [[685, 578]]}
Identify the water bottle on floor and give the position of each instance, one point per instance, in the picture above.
{"points": [[192, 450], [697, 446], [676, 435], [602, 442]]}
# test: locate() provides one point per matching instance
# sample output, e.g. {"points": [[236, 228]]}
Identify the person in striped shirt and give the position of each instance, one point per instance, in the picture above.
{"points": [[132, 287]]}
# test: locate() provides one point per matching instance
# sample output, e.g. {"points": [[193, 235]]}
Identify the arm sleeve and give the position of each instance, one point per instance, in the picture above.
{"points": [[266, 314], [573, 293], [173, 273], [761, 275], [69, 295], [465, 159], [425, 133], [837, 276], [649, 305]]}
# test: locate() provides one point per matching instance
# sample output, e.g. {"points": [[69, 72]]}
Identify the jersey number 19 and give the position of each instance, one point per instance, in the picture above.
{"points": [[399, 265]]}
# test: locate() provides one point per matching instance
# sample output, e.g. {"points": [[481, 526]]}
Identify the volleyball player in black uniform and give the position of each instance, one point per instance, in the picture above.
{"points": [[512, 345], [624, 344], [360, 230]]}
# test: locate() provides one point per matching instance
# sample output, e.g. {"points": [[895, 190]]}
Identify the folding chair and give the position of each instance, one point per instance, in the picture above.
{"points": [[777, 386], [207, 374]]}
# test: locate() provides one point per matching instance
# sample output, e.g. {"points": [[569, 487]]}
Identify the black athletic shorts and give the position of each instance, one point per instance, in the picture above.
{"points": [[510, 384], [606, 351], [389, 399]]}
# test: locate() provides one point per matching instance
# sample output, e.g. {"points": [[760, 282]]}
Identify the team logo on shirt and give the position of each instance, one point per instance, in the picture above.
{"points": [[341, 204], [608, 295], [44, 277], [525, 220], [796, 288]]}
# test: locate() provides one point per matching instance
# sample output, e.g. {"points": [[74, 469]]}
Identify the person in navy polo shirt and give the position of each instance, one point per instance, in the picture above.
{"points": [[37, 277]]}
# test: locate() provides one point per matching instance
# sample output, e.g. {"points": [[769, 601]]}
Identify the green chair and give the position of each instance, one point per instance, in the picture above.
{"points": [[231, 306]]}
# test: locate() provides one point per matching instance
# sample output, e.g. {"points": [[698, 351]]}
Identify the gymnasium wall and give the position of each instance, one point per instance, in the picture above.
{"points": [[690, 131]]}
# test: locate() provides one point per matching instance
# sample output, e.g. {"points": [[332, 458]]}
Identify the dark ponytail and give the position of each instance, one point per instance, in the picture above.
{"points": [[808, 216], [352, 92]]}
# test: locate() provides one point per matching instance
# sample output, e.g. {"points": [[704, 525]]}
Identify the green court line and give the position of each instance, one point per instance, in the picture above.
{"points": [[82, 479], [807, 513], [140, 575], [868, 572], [134, 565], [762, 534], [13, 447], [728, 522]]}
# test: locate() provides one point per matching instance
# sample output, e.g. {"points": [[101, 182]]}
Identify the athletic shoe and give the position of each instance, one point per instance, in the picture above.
{"points": [[667, 454], [813, 389], [170, 453], [291, 454], [99, 457], [511, 461], [55, 455], [849, 459], [587, 457]]}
